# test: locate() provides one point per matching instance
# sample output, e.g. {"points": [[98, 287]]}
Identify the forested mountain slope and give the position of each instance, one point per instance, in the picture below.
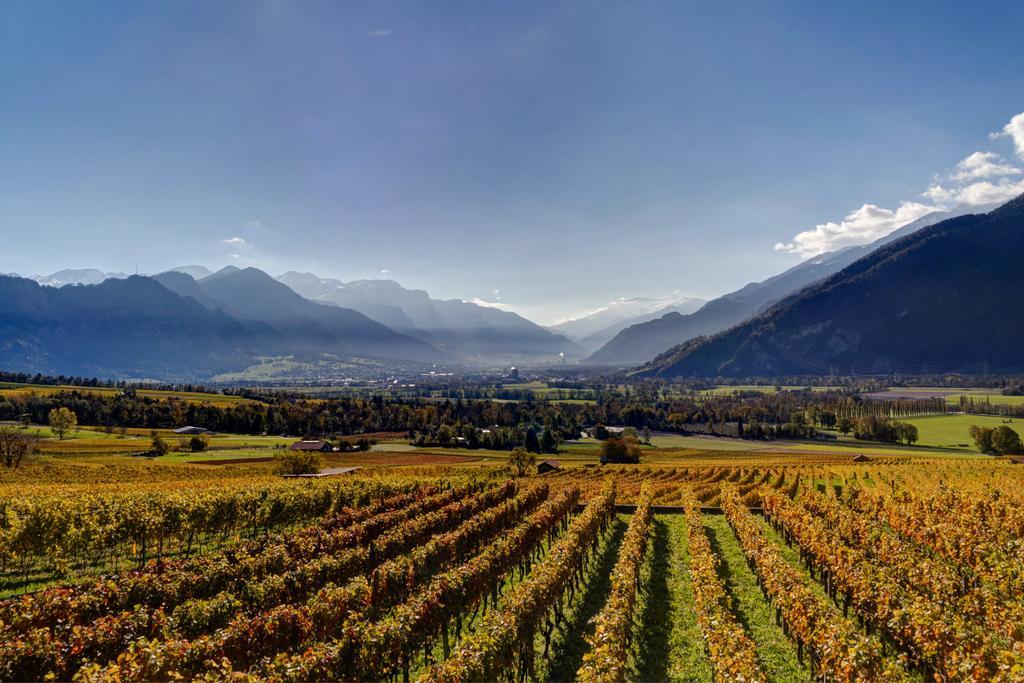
{"points": [[944, 299]]}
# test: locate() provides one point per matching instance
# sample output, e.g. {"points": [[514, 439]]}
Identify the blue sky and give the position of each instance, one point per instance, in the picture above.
{"points": [[547, 156]]}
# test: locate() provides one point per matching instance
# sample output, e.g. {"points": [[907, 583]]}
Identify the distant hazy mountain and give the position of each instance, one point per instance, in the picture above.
{"points": [[942, 299], [468, 331], [641, 343], [122, 327], [83, 276], [596, 328], [185, 285], [195, 272], [251, 295]]}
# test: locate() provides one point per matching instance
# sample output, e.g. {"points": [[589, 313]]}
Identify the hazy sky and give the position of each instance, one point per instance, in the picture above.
{"points": [[548, 155]]}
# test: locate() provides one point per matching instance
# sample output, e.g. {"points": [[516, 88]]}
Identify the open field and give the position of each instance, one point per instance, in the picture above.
{"points": [[952, 396], [474, 576], [95, 441], [728, 390], [938, 435], [14, 389], [952, 431]]}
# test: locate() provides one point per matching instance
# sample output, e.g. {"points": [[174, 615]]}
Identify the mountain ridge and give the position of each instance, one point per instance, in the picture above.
{"points": [[642, 343], [893, 310], [132, 326]]}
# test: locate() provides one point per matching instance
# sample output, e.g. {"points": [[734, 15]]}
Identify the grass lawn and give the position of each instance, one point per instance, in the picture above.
{"points": [[994, 397], [775, 652], [952, 431], [570, 643], [668, 644], [94, 441]]}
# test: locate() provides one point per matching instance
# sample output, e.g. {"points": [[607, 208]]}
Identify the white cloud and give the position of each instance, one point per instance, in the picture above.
{"points": [[981, 178], [976, 194], [235, 242], [1015, 131], [940, 195], [384, 271], [866, 224], [381, 33], [983, 165]]}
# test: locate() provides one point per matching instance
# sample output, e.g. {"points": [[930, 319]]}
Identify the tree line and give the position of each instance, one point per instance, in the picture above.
{"points": [[483, 424]]}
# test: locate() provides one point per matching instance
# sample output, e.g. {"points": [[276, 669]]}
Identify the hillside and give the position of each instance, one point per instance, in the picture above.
{"points": [[943, 299], [642, 342], [131, 327]]}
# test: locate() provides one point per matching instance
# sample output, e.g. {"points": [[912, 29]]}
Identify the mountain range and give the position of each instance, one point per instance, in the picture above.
{"points": [[251, 295], [468, 332], [77, 276], [937, 295], [176, 325], [642, 342], [940, 299]]}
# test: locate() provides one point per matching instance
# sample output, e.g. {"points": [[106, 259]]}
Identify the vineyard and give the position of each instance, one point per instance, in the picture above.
{"points": [[699, 572]]}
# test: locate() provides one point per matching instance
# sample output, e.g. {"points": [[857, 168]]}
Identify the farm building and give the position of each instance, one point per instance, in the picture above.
{"points": [[321, 446], [1016, 459], [860, 457], [548, 466], [189, 429]]}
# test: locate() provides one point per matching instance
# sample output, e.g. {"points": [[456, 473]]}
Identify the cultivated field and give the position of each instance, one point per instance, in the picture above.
{"points": [[15, 389], [703, 566]]}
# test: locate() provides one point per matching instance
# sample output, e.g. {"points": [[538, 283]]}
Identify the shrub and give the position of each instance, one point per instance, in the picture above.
{"points": [[624, 450], [158, 446]]}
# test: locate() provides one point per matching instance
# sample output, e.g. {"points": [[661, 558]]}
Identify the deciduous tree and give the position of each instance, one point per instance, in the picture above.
{"points": [[1005, 441], [521, 461], [16, 444], [624, 450], [62, 420]]}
